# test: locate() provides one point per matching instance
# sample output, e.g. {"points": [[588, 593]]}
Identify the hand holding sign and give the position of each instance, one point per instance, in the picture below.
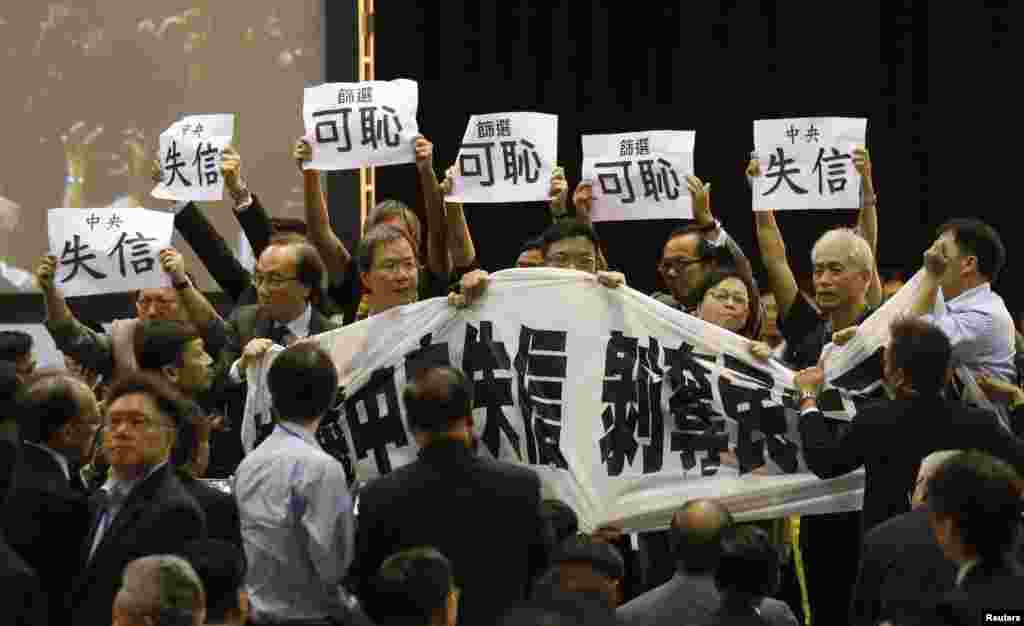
{"points": [[190, 151]]}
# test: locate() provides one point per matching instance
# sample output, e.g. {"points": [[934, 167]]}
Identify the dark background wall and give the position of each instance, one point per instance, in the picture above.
{"points": [[933, 80]]}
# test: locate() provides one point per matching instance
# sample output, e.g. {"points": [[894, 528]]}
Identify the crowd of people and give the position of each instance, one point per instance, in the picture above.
{"points": [[107, 519]]}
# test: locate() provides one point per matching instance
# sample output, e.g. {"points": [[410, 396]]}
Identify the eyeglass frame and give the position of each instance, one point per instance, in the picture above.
{"points": [[680, 264], [273, 282]]}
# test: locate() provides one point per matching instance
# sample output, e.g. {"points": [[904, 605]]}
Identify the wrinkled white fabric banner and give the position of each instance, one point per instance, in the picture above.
{"points": [[625, 407]]}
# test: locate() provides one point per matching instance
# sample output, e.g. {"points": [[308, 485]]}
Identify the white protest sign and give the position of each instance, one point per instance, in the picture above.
{"points": [[354, 125], [807, 163], [108, 250], [190, 157], [639, 176], [506, 157]]}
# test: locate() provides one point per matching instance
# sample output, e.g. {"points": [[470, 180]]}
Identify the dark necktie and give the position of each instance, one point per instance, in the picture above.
{"points": [[280, 335]]}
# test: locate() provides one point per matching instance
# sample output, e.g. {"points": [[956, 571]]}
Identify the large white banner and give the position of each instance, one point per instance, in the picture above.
{"points": [[626, 407], [506, 157], [108, 250], [354, 125], [639, 176], [807, 163], [190, 157]]}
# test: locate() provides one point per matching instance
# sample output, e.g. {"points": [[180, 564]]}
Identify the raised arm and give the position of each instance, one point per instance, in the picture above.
{"points": [[199, 309], [460, 241], [433, 204], [335, 255], [700, 192], [77, 145], [867, 219], [773, 253], [93, 350], [583, 200]]}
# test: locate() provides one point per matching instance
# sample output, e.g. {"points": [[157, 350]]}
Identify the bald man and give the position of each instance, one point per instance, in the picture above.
{"points": [[160, 590], [690, 596]]}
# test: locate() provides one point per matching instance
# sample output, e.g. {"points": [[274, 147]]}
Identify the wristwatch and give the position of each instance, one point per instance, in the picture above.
{"points": [[808, 395]]}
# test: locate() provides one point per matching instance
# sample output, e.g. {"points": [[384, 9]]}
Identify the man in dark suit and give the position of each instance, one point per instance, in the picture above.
{"points": [[142, 509], [975, 511], [448, 497], [691, 597], [889, 438], [902, 562], [288, 277], [24, 601], [48, 513]]}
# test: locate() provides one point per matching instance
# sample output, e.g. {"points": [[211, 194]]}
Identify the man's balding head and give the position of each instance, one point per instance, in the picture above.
{"points": [[161, 590], [438, 399], [696, 535]]}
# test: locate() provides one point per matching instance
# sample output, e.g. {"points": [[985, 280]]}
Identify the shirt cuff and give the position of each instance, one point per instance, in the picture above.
{"points": [[810, 409], [722, 237], [235, 373], [244, 202], [178, 207]]}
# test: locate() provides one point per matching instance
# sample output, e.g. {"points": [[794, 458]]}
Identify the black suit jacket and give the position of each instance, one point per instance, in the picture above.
{"points": [[24, 603], [46, 521], [483, 515], [158, 517], [220, 509], [214, 252], [901, 564], [889, 439]]}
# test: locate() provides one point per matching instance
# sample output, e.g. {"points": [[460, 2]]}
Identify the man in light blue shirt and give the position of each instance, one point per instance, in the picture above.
{"points": [[963, 262], [296, 512]]}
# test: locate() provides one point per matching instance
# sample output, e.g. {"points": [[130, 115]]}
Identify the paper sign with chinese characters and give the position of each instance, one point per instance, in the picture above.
{"points": [[807, 163], [108, 250], [190, 158], [639, 176], [354, 125], [507, 157]]}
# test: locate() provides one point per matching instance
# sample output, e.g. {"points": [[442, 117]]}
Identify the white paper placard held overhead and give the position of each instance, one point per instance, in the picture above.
{"points": [[639, 176], [354, 125], [506, 157], [807, 163], [190, 157], [108, 250]]}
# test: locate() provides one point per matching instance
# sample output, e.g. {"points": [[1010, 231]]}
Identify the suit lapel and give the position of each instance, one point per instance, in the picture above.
{"points": [[134, 506], [262, 325]]}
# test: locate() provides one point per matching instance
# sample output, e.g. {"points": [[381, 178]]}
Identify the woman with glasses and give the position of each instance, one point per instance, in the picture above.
{"points": [[724, 299]]}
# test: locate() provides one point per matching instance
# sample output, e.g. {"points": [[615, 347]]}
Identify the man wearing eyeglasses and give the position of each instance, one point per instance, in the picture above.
{"points": [[107, 354], [288, 279], [142, 509], [47, 515]]}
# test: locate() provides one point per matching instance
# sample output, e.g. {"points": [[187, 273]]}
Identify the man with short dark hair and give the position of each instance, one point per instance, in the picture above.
{"points": [[471, 492], [221, 568], [414, 587], [159, 590], [902, 562], [975, 510], [296, 512], [47, 515], [142, 509], [963, 263], [691, 595], [748, 572], [16, 346], [388, 268], [890, 437]]}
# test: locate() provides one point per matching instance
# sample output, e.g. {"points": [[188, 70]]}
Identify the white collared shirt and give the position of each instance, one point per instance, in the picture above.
{"points": [[981, 330], [298, 327], [298, 527], [964, 570]]}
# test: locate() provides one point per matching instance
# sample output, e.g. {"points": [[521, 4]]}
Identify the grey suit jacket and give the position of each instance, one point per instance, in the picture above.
{"points": [[690, 600]]}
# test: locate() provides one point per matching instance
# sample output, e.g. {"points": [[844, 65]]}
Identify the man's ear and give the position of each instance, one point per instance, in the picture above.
{"points": [[365, 282]]}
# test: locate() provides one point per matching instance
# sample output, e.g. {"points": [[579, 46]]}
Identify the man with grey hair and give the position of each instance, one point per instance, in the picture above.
{"points": [[159, 590], [901, 561]]}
